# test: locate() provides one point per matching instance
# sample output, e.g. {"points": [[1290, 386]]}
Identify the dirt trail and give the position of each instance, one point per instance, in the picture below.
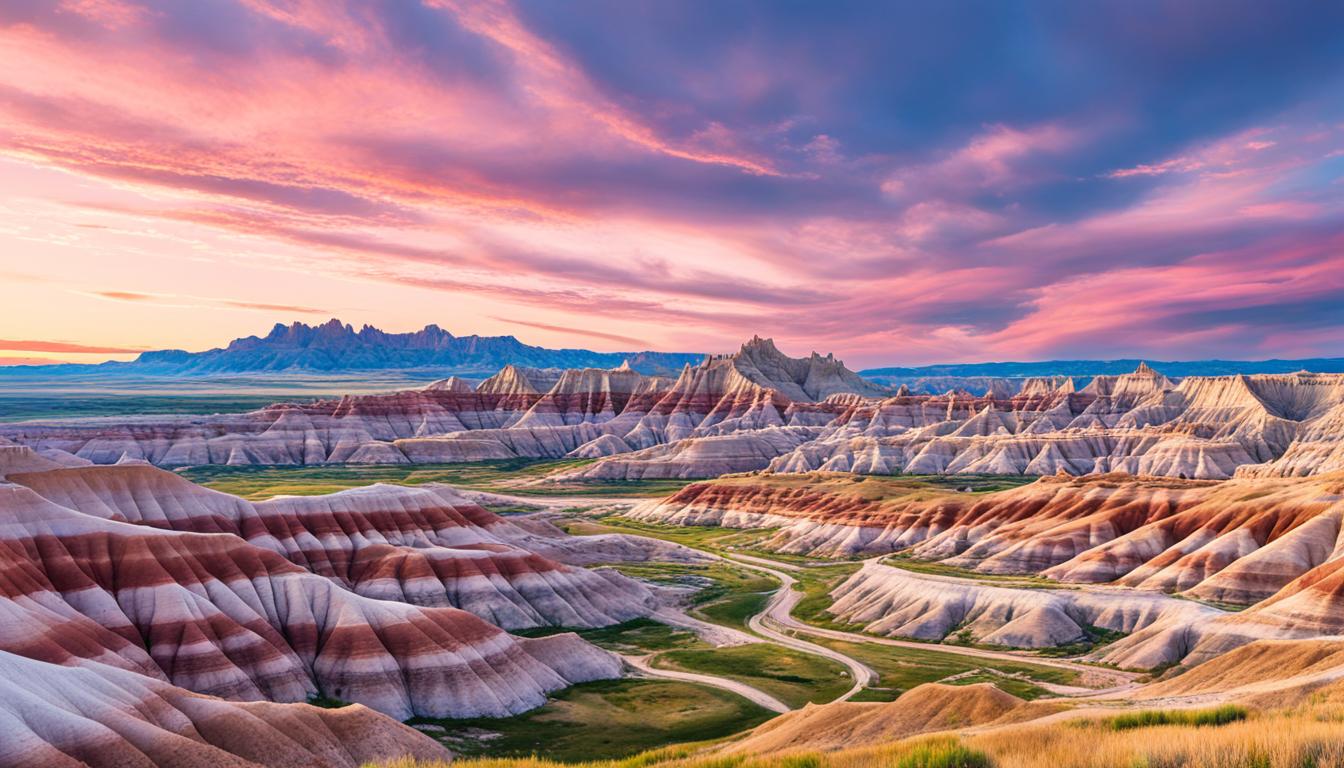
{"points": [[780, 613], [776, 624], [641, 663]]}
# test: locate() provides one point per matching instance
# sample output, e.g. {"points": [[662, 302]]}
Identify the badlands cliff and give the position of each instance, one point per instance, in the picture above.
{"points": [[759, 409], [155, 619], [1273, 544]]}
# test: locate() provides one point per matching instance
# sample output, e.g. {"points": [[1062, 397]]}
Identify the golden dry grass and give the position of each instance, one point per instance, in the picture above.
{"points": [[1305, 732]]}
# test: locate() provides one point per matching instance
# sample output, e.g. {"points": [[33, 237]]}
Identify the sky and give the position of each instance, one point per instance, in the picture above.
{"points": [[898, 183]]}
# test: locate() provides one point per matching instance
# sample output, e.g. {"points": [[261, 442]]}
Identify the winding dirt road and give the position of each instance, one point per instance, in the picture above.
{"points": [[777, 618], [754, 695], [776, 624]]}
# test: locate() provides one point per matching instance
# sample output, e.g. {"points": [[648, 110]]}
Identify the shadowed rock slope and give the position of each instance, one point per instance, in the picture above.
{"points": [[89, 714], [129, 598]]}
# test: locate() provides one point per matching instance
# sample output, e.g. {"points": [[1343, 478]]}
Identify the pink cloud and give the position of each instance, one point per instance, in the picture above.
{"points": [[995, 158], [340, 154], [24, 345]]}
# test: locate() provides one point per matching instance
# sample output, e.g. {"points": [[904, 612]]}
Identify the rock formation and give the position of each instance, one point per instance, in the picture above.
{"points": [[83, 713], [758, 409], [1273, 544], [425, 545], [892, 601], [148, 616]]}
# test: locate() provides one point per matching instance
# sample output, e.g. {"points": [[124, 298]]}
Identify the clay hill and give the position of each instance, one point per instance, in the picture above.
{"points": [[761, 409], [1167, 563], [152, 621], [337, 347]]}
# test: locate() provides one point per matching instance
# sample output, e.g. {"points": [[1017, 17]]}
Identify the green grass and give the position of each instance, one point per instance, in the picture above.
{"points": [[744, 541], [28, 407], [713, 581], [733, 610], [902, 668], [1227, 713], [816, 585], [637, 636], [943, 753], [707, 537], [327, 702], [931, 568], [793, 677], [877, 694], [1096, 637], [604, 720], [506, 476]]}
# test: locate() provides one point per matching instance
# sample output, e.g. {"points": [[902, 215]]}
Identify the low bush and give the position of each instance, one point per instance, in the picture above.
{"points": [[943, 753], [1228, 713]]}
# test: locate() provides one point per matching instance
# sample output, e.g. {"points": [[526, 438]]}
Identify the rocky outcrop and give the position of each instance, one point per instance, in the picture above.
{"points": [[384, 596], [84, 713], [1238, 541], [892, 601], [1273, 544], [1140, 423], [216, 614], [425, 546], [760, 409]]}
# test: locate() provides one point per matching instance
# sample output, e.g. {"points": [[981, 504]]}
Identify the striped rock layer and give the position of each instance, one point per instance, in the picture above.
{"points": [[144, 620], [91, 714], [1273, 544], [425, 546], [757, 409]]}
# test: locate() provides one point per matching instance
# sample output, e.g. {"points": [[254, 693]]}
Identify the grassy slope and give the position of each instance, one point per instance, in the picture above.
{"points": [[880, 487], [505, 476], [903, 668], [791, 676], [26, 407], [637, 636], [605, 720], [899, 668], [1296, 734]]}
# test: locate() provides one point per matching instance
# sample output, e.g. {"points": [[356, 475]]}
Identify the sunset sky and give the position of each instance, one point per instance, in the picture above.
{"points": [[897, 183]]}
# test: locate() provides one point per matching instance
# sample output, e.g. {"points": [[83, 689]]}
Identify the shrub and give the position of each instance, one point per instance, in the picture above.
{"points": [[943, 754], [1228, 713], [805, 760]]}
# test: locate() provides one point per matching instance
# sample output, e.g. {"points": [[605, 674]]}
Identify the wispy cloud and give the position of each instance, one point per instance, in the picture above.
{"points": [[841, 178], [177, 300], [636, 345], [25, 345]]}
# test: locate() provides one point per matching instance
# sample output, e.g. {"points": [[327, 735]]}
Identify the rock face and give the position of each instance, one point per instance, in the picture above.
{"points": [[425, 546], [1236, 541], [759, 409], [1273, 544], [149, 620], [892, 601], [976, 376], [1139, 423], [85, 713]]}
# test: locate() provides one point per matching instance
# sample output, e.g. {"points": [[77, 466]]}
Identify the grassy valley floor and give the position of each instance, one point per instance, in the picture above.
{"points": [[604, 720], [511, 476]]}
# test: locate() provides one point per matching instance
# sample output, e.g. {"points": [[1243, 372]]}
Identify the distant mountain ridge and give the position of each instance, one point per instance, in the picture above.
{"points": [[895, 375], [335, 347]]}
